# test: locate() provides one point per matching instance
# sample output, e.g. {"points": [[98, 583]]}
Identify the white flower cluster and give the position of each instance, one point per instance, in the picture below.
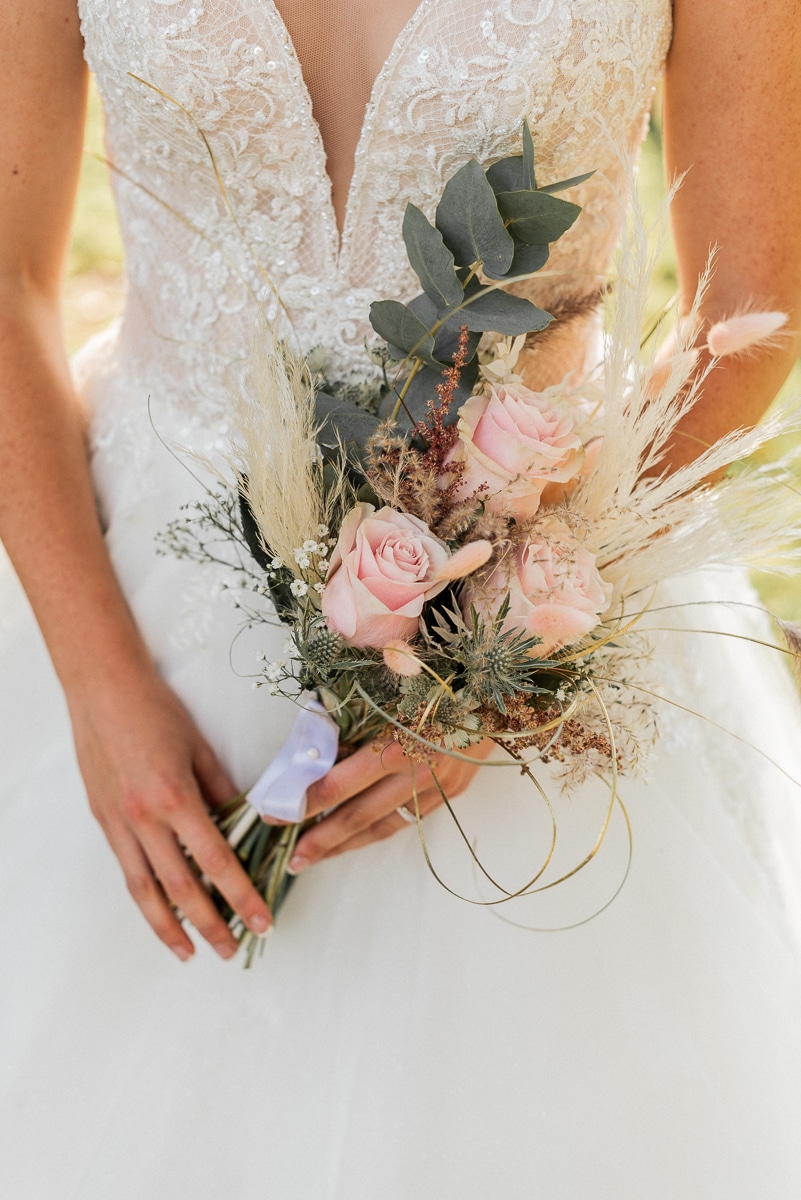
{"points": [[312, 560], [274, 673]]}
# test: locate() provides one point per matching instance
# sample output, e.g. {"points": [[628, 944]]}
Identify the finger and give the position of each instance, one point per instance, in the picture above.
{"points": [[351, 819], [216, 859], [354, 775], [214, 781], [387, 826], [185, 890], [147, 893]]}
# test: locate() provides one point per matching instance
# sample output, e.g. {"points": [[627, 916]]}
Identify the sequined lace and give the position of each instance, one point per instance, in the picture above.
{"points": [[460, 78]]}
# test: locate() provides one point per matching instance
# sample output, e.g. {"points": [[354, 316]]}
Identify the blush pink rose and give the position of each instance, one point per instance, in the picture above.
{"points": [[515, 443], [382, 573], [555, 590]]}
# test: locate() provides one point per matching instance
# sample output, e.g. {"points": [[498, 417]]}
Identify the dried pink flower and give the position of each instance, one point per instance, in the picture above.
{"points": [[465, 561], [740, 333], [401, 659]]}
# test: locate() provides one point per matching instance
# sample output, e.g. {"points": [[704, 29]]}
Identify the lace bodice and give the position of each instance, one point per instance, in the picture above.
{"points": [[204, 240]]}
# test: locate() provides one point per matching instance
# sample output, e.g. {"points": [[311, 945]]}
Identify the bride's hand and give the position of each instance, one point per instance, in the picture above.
{"points": [[148, 771], [366, 789]]}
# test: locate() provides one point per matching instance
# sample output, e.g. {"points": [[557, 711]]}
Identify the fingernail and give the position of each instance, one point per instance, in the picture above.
{"points": [[259, 924], [225, 949], [182, 953], [297, 864]]}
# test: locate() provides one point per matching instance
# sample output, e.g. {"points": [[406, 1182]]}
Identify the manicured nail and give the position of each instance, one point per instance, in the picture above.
{"points": [[225, 949], [182, 952], [297, 864], [259, 924]]}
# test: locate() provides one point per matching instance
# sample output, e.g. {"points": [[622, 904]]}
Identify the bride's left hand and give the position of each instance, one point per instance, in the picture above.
{"points": [[366, 789]]}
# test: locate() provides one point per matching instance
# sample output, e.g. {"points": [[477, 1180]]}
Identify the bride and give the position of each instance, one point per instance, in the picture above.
{"points": [[391, 1042]]}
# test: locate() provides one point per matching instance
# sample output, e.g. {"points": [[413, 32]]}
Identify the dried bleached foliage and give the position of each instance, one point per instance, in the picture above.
{"points": [[646, 523], [275, 455]]}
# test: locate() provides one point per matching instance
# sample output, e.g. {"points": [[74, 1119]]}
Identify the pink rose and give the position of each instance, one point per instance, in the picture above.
{"points": [[555, 591], [515, 443], [381, 574]]}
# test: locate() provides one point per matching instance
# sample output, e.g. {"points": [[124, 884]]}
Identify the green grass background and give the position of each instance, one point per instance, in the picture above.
{"points": [[93, 287]]}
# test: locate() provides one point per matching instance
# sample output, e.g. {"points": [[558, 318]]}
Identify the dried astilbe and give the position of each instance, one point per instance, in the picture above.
{"points": [[426, 482]]}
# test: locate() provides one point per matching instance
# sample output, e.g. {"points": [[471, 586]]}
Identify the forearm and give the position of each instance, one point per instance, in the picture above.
{"points": [[735, 394], [732, 134], [48, 519]]}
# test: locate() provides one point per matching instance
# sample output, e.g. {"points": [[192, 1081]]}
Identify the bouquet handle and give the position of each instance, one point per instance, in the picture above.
{"points": [[308, 754]]}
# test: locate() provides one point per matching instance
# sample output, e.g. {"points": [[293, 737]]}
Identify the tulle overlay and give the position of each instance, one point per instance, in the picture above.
{"points": [[395, 1041], [392, 1041]]}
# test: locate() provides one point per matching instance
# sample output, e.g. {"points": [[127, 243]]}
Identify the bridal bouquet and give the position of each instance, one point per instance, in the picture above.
{"points": [[456, 556]]}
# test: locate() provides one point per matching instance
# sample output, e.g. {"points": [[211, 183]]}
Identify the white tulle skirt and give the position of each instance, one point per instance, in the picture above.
{"points": [[394, 1042]]}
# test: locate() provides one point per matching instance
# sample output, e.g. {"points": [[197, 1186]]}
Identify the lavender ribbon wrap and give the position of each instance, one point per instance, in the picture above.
{"points": [[308, 754]]}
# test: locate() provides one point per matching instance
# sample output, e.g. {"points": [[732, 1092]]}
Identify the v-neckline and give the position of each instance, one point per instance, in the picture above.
{"points": [[339, 245]]}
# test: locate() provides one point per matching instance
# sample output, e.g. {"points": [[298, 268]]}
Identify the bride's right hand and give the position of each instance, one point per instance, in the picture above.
{"points": [[148, 771], [147, 768]]}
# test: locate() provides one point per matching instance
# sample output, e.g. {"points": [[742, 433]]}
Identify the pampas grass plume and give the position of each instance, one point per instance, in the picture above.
{"points": [[275, 453], [740, 333]]}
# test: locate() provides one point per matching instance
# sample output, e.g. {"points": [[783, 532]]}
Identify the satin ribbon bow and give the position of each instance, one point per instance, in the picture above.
{"points": [[308, 754]]}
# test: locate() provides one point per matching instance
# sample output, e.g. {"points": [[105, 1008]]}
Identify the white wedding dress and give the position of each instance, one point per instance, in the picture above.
{"points": [[392, 1043]]}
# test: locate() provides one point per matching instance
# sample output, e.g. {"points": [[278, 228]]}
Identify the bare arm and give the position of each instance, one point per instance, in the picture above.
{"points": [[732, 121], [145, 765]]}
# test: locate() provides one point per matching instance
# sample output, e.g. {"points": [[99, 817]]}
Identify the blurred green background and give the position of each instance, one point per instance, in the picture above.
{"points": [[94, 291]]}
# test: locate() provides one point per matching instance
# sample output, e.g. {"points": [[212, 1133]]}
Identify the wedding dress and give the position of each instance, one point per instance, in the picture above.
{"points": [[392, 1042]]}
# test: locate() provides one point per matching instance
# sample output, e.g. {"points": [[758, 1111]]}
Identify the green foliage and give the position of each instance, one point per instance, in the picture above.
{"points": [[536, 218], [497, 224], [403, 330], [431, 260], [343, 425], [470, 223], [501, 312]]}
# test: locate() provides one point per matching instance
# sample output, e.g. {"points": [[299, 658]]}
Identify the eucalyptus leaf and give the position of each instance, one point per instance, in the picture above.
{"points": [[567, 183], [341, 424], [424, 307], [252, 535], [508, 175], [401, 327], [535, 217], [501, 312], [469, 221], [526, 261], [431, 260], [422, 388]]}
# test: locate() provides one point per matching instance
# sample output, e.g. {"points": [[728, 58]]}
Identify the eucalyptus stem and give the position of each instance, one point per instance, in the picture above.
{"points": [[416, 365]]}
